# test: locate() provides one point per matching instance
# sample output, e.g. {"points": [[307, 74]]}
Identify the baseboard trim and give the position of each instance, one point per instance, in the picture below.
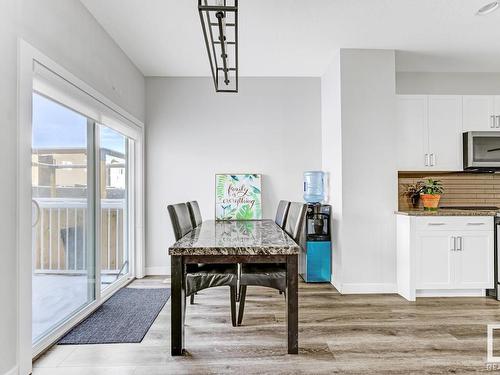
{"points": [[13, 371], [451, 293], [337, 285], [369, 288], [155, 271]]}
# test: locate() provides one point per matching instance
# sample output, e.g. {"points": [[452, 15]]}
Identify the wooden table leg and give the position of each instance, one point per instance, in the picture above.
{"points": [[292, 304], [177, 306]]}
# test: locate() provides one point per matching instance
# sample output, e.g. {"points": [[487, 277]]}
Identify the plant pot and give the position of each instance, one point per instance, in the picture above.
{"points": [[430, 201], [412, 201], [415, 200]]}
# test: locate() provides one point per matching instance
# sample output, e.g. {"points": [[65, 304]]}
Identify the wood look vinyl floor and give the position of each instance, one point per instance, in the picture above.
{"points": [[350, 334]]}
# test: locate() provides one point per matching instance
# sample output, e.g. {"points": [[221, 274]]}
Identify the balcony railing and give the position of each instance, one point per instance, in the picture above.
{"points": [[60, 236]]}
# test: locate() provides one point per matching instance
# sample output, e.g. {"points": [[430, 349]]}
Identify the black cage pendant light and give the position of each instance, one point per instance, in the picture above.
{"points": [[219, 21]]}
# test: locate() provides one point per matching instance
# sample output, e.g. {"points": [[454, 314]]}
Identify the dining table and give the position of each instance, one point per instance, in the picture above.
{"points": [[235, 242]]}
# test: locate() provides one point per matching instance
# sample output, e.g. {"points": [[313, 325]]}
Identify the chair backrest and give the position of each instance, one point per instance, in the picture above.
{"points": [[295, 220], [181, 222], [194, 213], [281, 213]]}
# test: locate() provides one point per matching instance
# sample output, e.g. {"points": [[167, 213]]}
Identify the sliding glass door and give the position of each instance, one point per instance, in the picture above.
{"points": [[62, 194], [80, 226]]}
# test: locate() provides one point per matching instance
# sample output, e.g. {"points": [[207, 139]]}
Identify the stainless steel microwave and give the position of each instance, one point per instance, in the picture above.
{"points": [[481, 150]]}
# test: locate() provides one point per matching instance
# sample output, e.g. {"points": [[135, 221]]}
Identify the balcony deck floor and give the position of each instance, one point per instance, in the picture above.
{"points": [[55, 297]]}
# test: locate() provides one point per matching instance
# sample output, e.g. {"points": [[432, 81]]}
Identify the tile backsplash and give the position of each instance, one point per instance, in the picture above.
{"points": [[461, 189]]}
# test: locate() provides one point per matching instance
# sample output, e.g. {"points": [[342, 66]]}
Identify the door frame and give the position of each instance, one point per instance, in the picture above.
{"points": [[27, 57]]}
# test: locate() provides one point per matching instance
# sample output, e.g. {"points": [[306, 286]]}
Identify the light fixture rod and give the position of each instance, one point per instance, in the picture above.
{"points": [[215, 8], [222, 53], [227, 24], [214, 71], [220, 16]]}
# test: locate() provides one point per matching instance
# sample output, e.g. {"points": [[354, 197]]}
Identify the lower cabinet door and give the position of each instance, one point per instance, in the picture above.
{"points": [[474, 260], [435, 258]]}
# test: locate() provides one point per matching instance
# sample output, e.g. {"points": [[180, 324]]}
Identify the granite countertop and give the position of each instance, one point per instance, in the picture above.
{"points": [[448, 212], [252, 237]]}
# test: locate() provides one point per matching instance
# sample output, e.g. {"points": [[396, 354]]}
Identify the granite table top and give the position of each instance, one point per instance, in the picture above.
{"points": [[251, 237]]}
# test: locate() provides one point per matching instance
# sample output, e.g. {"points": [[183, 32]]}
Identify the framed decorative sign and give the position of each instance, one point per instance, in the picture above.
{"points": [[238, 197]]}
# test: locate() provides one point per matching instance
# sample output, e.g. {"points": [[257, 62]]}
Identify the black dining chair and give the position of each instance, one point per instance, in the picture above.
{"points": [[194, 213], [281, 213], [203, 276], [196, 220], [271, 275]]}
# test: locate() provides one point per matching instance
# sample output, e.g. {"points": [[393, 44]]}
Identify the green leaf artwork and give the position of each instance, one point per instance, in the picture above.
{"points": [[238, 197], [244, 213]]}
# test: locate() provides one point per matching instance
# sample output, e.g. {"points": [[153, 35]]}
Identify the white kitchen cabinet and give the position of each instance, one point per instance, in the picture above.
{"points": [[478, 113], [429, 132], [412, 139], [434, 260], [445, 132], [497, 110], [474, 260], [441, 255], [481, 113]]}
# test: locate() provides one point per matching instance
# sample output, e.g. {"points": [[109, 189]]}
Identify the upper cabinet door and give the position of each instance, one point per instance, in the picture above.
{"points": [[412, 139], [497, 111], [479, 113], [445, 132]]}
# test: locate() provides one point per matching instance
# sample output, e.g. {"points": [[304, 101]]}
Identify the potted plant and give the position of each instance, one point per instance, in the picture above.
{"points": [[430, 193], [412, 193]]}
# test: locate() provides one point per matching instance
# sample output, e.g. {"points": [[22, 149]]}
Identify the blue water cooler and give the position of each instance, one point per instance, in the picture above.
{"points": [[316, 256], [316, 259]]}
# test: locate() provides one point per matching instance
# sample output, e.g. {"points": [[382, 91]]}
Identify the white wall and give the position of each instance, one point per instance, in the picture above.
{"points": [[66, 32], [331, 137], [272, 126], [8, 117], [366, 224], [448, 83]]}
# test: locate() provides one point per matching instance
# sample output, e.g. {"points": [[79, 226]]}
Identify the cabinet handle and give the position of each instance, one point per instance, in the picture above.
{"points": [[426, 160], [459, 243], [475, 223], [437, 223], [453, 245], [493, 122], [433, 160], [498, 122]]}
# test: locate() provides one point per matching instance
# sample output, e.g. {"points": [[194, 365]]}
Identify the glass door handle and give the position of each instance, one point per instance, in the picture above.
{"points": [[493, 123], [498, 121]]}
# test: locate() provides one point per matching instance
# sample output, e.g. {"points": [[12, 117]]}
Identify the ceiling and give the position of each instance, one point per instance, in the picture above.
{"points": [[299, 38]]}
